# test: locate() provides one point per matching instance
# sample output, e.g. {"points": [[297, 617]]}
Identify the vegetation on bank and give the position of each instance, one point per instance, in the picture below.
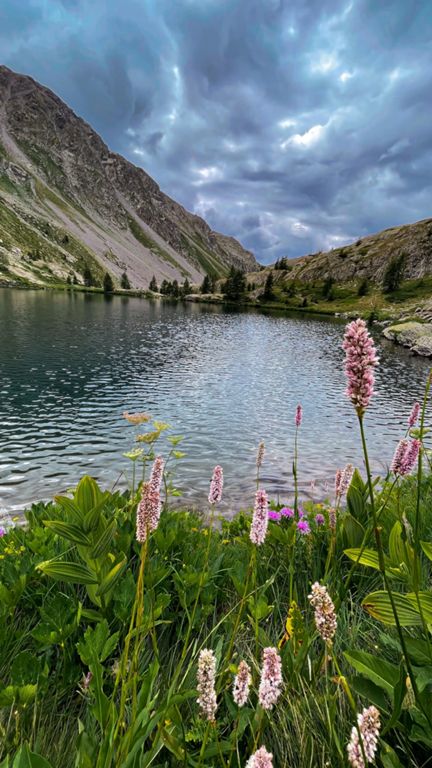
{"points": [[134, 634]]}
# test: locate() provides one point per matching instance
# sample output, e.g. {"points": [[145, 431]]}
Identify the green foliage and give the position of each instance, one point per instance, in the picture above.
{"points": [[268, 293], [235, 285], [108, 285], [363, 288], [124, 282], [153, 286], [394, 273], [206, 285]]}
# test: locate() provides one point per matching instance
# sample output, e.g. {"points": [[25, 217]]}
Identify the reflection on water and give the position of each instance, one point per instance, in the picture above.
{"points": [[70, 364]]}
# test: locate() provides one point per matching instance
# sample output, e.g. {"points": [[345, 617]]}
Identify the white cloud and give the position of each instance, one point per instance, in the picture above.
{"points": [[288, 123], [346, 76], [304, 139]]}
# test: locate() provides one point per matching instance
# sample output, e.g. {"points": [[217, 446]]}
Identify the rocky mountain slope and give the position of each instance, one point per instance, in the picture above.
{"points": [[67, 202]]}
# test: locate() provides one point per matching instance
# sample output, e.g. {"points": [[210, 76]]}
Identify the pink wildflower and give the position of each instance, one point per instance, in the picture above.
{"points": [[148, 512], [332, 518], [260, 454], [206, 678], [242, 682], [347, 476], [273, 515], [216, 486], [301, 512], [260, 759], [287, 512], [319, 519], [2, 531], [412, 421], [360, 360], [299, 416], [156, 474], [270, 686], [338, 480], [405, 456], [369, 726], [260, 518], [303, 527], [325, 613]]}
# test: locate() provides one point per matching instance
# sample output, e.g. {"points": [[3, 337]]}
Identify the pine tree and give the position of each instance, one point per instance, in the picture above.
{"points": [[235, 285], [268, 287], [206, 285], [108, 285], [153, 286], [175, 289], [165, 287], [124, 281], [186, 288], [88, 277], [394, 273]]}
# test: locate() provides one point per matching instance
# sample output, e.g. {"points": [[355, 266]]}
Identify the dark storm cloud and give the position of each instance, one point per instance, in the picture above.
{"points": [[293, 125]]}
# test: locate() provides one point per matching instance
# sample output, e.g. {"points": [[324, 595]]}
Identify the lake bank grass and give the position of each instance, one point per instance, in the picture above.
{"points": [[138, 635]]}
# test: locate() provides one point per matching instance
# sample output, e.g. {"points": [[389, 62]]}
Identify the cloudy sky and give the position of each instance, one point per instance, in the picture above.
{"points": [[294, 125]]}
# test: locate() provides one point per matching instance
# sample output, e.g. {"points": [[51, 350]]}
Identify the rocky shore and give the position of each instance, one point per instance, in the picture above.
{"points": [[412, 334]]}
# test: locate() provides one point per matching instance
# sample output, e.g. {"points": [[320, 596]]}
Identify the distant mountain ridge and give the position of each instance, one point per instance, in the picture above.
{"points": [[67, 202]]}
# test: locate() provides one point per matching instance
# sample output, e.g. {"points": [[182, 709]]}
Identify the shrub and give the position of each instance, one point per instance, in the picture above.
{"points": [[394, 273]]}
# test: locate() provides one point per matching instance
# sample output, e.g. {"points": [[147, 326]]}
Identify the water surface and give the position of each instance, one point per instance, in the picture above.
{"points": [[71, 363]]}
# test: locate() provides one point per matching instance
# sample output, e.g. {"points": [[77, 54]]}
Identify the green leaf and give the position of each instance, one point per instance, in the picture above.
{"points": [[381, 672], [378, 605], [354, 531], [111, 578], [26, 759], [425, 601], [389, 757], [68, 531], [103, 545], [87, 494], [65, 571], [70, 508], [369, 691], [368, 557], [427, 548]]}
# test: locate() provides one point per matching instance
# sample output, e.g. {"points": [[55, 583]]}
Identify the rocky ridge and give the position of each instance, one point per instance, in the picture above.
{"points": [[67, 201]]}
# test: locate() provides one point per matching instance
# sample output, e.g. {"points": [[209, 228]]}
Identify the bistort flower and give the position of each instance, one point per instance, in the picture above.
{"points": [[405, 457], [298, 416], [260, 454], [148, 512], [206, 678], [360, 361], [260, 518], [369, 727], [216, 486], [413, 418], [260, 759], [270, 686], [325, 613], [242, 682]]}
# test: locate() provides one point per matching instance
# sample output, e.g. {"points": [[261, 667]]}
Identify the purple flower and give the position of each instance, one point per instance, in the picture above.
{"points": [[412, 421], [216, 486], [2, 531], [299, 416], [319, 519], [303, 527], [360, 361], [273, 515], [302, 512], [287, 512]]}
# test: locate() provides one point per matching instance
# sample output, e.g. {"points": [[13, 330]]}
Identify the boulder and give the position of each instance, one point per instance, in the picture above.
{"points": [[423, 346]]}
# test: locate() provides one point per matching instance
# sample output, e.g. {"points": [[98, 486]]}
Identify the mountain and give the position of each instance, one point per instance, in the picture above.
{"points": [[67, 202], [367, 258]]}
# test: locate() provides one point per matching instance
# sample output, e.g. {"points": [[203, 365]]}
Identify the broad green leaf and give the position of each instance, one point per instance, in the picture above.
{"points": [[354, 531], [427, 548], [418, 650], [26, 759], [87, 494], [423, 676], [102, 547], [69, 506], [381, 672], [425, 601], [378, 605], [389, 757], [111, 578], [396, 547], [368, 557], [369, 691], [68, 531], [356, 503], [65, 571]]}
